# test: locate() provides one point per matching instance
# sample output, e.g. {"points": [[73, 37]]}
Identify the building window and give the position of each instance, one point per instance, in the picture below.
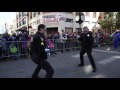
{"points": [[87, 14], [17, 25], [17, 17], [24, 20], [69, 20], [38, 21], [34, 14], [68, 29], [94, 14], [20, 14], [24, 14], [38, 13], [78, 30], [30, 15]]}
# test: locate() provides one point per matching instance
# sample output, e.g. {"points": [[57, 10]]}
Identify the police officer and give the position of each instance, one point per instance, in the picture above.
{"points": [[87, 41], [38, 53]]}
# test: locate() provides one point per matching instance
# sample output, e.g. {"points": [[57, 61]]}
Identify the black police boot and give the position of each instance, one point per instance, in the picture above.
{"points": [[95, 70], [35, 77], [80, 65]]}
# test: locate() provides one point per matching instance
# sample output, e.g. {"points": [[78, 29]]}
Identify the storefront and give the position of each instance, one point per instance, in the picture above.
{"points": [[52, 30], [53, 22], [68, 29]]}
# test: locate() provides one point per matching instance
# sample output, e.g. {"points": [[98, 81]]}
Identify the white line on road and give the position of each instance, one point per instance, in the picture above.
{"points": [[106, 51], [99, 76], [108, 60], [78, 55]]}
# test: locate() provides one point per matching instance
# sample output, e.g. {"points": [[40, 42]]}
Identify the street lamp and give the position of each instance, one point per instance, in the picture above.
{"points": [[80, 18]]}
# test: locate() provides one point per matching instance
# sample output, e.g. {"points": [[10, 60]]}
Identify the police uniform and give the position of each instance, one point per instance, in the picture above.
{"points": [[87, 41], [39, 55]]}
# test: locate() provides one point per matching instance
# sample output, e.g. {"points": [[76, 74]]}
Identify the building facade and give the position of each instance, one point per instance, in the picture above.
{"points": [[93, 19], [21, 19], [57, 21], [11, 27]]}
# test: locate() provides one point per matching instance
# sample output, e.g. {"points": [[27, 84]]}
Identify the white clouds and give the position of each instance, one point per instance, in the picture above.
{"points": [[6, 17]]}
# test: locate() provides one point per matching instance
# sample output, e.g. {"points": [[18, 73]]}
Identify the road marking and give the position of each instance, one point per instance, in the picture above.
{"points": [[99, 76], [108, 60], [78, 55], [106, 51]]}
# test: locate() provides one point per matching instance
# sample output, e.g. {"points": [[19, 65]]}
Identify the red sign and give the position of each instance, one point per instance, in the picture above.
{"points": [[50, 19], [29, 26]]}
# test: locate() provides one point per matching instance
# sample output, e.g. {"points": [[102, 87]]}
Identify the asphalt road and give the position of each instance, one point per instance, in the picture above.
{"points": [[65, 65]]}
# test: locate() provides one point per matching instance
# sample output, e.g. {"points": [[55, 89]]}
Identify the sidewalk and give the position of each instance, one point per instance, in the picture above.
{"points": [[108, 48]]}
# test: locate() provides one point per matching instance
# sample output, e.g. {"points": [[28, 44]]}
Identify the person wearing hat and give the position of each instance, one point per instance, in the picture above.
{"points": [[38, 53], [87, 42]]}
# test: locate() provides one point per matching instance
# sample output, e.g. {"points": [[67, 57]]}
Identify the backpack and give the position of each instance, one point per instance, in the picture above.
{"points": [[13, 49]]}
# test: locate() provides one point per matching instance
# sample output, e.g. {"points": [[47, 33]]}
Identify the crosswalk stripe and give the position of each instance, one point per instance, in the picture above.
{"points": [[99, 76], [78, 55], [108, 60]]}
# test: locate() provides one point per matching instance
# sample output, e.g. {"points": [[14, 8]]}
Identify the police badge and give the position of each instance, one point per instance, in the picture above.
{"points": [[42, 41], [88, 35]]}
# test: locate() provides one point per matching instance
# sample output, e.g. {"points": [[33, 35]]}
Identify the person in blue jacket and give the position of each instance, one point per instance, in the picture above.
{"points": [[116, 39]]}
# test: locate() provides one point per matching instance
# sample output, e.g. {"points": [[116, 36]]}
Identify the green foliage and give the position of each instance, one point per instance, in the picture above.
{"points": [[109, 20], [118, 20]]}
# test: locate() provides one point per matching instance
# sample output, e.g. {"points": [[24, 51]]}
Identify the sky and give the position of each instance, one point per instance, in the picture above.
{"points": [[6, 17]]}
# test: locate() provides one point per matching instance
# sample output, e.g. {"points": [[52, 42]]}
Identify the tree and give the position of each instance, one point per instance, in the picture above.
{"points": [[118, 21], [107, 23]]}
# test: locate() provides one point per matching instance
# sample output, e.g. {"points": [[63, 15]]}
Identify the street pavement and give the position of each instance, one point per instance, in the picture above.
{"points": [[65, 65]]}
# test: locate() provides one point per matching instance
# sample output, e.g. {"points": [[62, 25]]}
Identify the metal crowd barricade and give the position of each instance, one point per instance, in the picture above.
{"points": [[65, 45], [20, 49], [13, 49]]}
